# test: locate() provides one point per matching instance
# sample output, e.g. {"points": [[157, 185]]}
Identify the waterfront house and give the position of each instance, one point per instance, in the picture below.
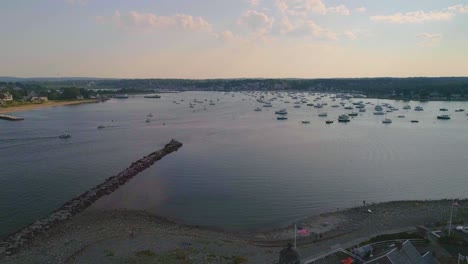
{"points": [[404, 253], [39, 99], [6, 97]]}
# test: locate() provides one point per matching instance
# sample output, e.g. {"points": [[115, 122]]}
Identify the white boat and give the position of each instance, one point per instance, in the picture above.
{"points": [[379, 113], [343, 118], [378, 108], [387, 121], [281, 112], [418, 108], [121, 96], [354, 114], [362, 110], [267, 105], [258, 109], [297, 106], [65, 135], [323, 114], [407, 107]]}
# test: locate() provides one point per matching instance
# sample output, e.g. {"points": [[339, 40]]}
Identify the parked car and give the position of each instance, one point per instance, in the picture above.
{"points": [[463, 229]]}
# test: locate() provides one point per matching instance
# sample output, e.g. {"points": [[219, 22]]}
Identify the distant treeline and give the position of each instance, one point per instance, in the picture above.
{"points": [[418, 87]]}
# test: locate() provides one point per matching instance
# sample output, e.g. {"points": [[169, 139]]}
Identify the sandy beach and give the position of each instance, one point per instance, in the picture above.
{"points": [[127, 236], [44, 105]]}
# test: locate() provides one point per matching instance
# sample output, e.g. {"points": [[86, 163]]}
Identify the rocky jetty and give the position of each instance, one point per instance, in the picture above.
{"points": [[13, 242]]}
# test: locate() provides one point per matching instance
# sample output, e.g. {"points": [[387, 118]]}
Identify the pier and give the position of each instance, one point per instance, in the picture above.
{"points": [[11, 118], [76, 205]]}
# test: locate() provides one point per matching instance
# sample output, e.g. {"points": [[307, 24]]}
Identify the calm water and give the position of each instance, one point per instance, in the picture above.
{"points": [[238, 169]]}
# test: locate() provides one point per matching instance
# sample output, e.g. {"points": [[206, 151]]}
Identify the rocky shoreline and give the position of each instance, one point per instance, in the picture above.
{"points": [[76, 205]]}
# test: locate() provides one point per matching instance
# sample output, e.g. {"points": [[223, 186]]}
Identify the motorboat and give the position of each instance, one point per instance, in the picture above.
{"points": [[443, 117], [378, 108], [353, 114], [444, 109], [414, 121], [401, 116], [418, 108], [281, 118], [329, 122], [407, 107], [343, 118], [305, 122], [281, 112], [379, 113], [65, 136], [258, 109], [387, 121], [323, 114]]}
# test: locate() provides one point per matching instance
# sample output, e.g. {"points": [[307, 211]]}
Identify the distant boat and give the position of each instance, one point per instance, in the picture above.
{"points": [[407, 107], [297, 106], [378, 108], [353, 114], [418, 108], [460, 110], [443, 117], [414, 121], [101, 127], [281, 112], [153, 96], [387, 121], [267, 105], [348, 108], [258, 109], [362, 110], [65, 136], [329, 122], [401, 116], [323, 114], [443, 109], [379, 113], [121, 96], [150, 115], [147, 120], [281, 118], [343, 118], [310, 104], [305, 122]]}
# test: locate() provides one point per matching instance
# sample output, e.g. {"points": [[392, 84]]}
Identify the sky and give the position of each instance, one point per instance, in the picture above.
{"points": [[233, 38]]}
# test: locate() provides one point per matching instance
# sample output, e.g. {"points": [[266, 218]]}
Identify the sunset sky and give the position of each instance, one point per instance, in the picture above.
{"points": [[233, 38]]}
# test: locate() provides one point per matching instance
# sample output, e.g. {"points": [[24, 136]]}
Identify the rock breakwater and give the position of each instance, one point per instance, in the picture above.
{"points": [[13, 242]]}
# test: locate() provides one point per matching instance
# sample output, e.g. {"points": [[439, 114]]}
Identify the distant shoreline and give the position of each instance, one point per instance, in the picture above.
{"points": [[31, 106]]}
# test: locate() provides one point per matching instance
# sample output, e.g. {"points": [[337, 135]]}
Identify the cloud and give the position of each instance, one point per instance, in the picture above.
{"points": [[429, 40], [253, 2], [100, 20], [305, 28], [459, 8], [361, 9], [148, 21], [259, 22], [306, 7], [341, 9], [414, 17], [79, 2], [350, 34]]}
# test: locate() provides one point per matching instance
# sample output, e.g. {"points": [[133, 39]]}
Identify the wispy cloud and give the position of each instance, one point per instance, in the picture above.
{"points": [[414, 17], [306, 28], [350, 34], [259, 22], [253, 2], [135, 20], [307, 7], [459, 8], [428, 39], [361, 9], [79, 2]]}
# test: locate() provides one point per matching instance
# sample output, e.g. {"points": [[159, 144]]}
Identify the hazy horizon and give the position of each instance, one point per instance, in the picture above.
{"points": [[234, 39]]}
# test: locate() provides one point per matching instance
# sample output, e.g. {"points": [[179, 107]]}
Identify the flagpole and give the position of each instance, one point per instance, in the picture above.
{"points": [[295, 235], [451, 214]]}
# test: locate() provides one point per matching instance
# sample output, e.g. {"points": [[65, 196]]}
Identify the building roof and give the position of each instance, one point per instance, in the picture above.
{"points": [[407, 254]]}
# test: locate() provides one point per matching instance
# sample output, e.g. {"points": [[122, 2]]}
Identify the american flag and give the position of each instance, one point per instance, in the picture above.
{"points": [[302, 231], [455, 203]]}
